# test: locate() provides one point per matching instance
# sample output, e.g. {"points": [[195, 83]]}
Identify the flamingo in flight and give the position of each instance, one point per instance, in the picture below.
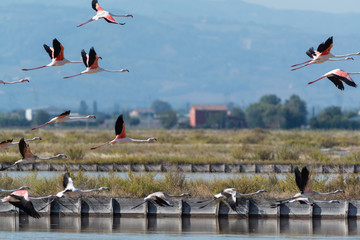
{"points": [[161, 198], [323, 54], [9, 143], [91, 63], [68, 185], [28, 156], [101, 13], [304, 183], [56, 54], [20, 199], [338, 76], [229, 196], [14, 82], [64, 117], [121, 135]]}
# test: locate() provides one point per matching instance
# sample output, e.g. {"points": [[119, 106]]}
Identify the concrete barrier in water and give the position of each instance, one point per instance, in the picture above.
{"points": [[188, 207]]}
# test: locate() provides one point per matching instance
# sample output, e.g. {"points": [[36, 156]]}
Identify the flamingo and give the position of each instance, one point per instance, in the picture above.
{"points": [[64, 117], [303, 200], [323, 54], [121, 135], [28, 156], [101, 13], [20, 199], [304, 183], [161, 198], [91, 63], [229, 195], [56, 54], [68, 185], [9, 143], [337, 76], [12, 190], [14, 82]]}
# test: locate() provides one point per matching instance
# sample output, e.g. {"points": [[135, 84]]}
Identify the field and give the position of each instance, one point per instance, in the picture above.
{"points": [[191, 146]]}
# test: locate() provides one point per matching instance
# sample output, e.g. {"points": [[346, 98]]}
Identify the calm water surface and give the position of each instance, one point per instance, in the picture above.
{"points": [[65, 227]]}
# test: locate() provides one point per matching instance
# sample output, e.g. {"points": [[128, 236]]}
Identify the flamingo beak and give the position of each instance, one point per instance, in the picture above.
{"points": [[128, 15], [100, 57]]}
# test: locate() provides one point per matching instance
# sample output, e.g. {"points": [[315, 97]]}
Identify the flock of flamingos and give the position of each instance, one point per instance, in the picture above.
{"points": [[20, 197]]}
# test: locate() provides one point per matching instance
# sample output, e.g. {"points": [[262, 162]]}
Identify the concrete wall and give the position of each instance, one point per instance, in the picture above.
{"points": [[157, 167], [89, 206]]}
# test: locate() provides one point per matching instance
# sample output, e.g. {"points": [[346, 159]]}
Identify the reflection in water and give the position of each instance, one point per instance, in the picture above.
{"points": [[281, 226]]}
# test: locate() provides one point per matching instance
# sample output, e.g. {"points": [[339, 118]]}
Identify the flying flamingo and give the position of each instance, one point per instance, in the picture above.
{"points": [[28, 156], [229, 196], [68, 185], [323, 54], [337, 76], [161, 199], [20, 199], [101, 13], [56, 54], [64, 117], [91, 64], [303, 182], [121, 135], [9, 143], [14, 82]]}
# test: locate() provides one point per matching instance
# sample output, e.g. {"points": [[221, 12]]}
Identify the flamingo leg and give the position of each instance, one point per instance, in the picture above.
{"points": [[85, 23], [300, 67], [316, 80], [93, 148], [40, 126], [300, 63], [28, 69], [73, 75]]}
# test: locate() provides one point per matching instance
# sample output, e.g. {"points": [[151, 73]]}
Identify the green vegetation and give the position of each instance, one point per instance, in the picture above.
{"points": [[194, 146]]}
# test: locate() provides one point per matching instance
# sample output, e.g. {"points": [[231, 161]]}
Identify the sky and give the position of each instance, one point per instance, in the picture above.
{"points": [[330, 6]]}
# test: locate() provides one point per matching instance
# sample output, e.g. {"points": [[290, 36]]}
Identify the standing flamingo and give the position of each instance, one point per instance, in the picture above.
{"points": [[28, 156], [14, 82], [56, 54], [304, 183], [64, 117], [9, 143], [337, 76], [229, 195], [323, 54], [101, 13], [20, 199], [121, 135], [68, 185], [161, 199], [91, 64]]}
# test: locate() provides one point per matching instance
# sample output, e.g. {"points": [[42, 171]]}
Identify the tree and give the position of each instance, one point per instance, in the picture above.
{"points": [[134, 121], [237, 118], [271, 99], [294, 112], [254, 116], [168, 119], [160, 106], [41, 116]]}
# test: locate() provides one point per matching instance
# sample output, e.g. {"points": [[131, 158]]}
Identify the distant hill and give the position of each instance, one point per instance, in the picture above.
{"points": [[182, 52]]}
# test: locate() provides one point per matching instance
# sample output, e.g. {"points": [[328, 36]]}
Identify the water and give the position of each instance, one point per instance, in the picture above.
{"points": [[66, 227]]}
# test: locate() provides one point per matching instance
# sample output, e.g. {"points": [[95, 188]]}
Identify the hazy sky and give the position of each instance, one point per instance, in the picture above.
{"points": [[333, 6]]}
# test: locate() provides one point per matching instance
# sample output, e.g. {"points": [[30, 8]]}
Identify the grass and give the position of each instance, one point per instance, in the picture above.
{"points": [[193, 146]]}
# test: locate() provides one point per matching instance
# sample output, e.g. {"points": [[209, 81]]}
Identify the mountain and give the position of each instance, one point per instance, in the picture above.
{"points": [[180, 51]]}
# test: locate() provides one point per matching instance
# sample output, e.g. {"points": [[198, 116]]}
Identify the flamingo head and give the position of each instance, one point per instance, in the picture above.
{"points": [[36, 138], [339, 191], [91, 116], [186, 195], [100, 58], [104, 188], [334, 201], [125, 70], [25, 80], [261, 191], [349, 58], [129, 15], [153, 139], [24, 188], [61, 156]]}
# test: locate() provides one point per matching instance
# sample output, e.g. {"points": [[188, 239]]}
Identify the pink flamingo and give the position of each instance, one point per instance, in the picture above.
{"points": [[101, 13], [14, 82], [121, 135], [56, 54], [337, 76], [6, 144], [323, 54], [91, 63], [64, 117], [20, 199]]}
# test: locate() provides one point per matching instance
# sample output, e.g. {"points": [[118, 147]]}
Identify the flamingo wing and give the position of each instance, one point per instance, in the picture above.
{"points": [[25, 149], [25, 205], [95, 5], [298, 179], [64, 114], [58, 50], [345, 77], [325, 47], [92, 57], [6, 141], [84, 58], [48, 50], [68, 182], [120, 127], [337, 82], [311, 53], [306, 181], [162, 202], [110, 19]]}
